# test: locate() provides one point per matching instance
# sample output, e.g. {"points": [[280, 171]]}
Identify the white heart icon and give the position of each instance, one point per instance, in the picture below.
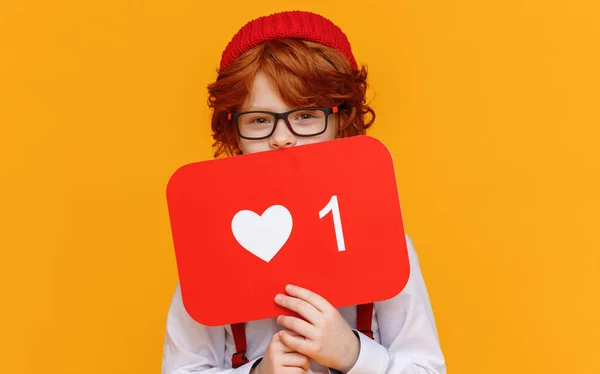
{"points": [[265, 235]]}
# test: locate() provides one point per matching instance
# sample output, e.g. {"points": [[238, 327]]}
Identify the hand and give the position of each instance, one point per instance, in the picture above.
{"points": [[325, 336], [280, 359]]}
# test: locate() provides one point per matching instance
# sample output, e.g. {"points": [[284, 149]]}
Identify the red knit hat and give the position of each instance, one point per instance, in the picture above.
{"points": [[292, 24]]}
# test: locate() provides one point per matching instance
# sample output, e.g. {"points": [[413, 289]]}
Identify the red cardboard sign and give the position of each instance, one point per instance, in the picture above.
{"points": [[323, 216]]}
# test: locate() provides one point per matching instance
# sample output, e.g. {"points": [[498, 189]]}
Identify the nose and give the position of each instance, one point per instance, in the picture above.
{"points": [[282, 136]]}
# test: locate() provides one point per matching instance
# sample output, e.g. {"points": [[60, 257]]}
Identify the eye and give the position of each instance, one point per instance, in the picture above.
{"points": [[257, 120], [305, 116]]}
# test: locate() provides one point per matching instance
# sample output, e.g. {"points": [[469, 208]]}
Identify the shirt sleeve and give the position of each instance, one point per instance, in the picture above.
{"points": [[190, 347], [409, 339]]}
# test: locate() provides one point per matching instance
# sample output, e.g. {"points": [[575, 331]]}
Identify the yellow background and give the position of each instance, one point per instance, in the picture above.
{"points": [[491, 110]]}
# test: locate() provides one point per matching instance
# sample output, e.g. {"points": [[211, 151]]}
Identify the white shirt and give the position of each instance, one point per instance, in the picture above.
{"points": [[405, 337]]}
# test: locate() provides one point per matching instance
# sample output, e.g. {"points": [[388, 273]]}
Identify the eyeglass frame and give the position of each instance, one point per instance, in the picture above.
{"points": [[284, 116]]}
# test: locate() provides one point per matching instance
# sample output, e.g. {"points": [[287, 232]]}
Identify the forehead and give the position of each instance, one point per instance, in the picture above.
{"points": [[263, 95]]}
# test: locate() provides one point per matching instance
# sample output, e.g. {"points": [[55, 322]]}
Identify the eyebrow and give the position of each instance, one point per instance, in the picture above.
{"points": [[258, 108]]}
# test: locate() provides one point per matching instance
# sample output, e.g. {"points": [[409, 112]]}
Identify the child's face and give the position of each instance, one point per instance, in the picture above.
{"points": [[264, 97]]}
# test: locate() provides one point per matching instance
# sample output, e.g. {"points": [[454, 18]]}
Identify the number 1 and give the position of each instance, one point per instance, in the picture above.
{"points": [[332, 206]]}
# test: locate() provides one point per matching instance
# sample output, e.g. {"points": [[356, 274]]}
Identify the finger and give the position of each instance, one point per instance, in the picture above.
{"points": [[310, 297], [295, 370], [298, 326], [303, 308], [294, 359], [296, 343], [279, 346], [293, 333]]}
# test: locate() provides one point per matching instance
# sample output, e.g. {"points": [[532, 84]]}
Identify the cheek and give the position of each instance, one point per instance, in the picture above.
{"points": [[244, 146], [332, 128], [253, 146], [330, 134]]}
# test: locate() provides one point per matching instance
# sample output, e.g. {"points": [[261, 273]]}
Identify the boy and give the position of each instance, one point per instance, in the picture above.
{"points": [[300, 66]]}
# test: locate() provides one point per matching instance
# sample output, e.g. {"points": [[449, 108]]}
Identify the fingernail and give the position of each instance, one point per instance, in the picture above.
{"points": [[289, 288], [278, 297]]}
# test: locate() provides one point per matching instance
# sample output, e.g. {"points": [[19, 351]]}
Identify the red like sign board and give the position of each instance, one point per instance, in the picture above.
{"points": [[323, 216]]}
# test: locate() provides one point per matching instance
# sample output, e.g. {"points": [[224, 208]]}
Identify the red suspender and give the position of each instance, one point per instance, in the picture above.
{"points": [[239, 337], [364, 319]]}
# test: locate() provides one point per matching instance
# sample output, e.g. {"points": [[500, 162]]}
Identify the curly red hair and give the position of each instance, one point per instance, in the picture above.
{"points": [[304, 74]]}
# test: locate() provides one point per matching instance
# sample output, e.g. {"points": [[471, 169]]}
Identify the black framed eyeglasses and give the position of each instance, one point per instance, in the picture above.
{"points": [[257, 124]]}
